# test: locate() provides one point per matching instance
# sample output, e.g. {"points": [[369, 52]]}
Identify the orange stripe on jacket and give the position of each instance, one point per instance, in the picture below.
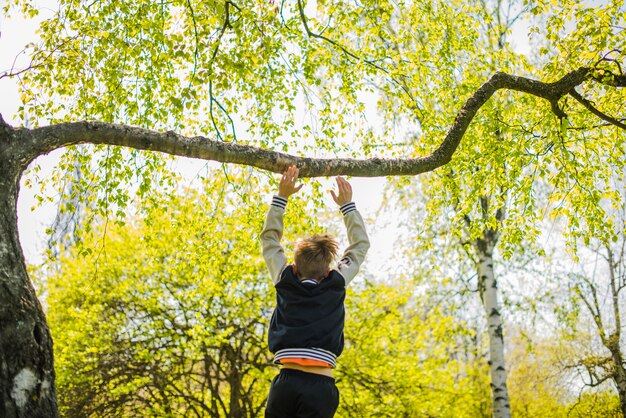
{"points": [[306, 362]]}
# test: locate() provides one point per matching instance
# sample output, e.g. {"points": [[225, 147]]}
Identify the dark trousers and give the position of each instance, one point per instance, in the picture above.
{"points": [[297, 394]]}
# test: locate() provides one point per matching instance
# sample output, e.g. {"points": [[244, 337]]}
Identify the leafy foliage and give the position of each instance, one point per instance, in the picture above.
{"points": [[406, 356], [166, 316]]}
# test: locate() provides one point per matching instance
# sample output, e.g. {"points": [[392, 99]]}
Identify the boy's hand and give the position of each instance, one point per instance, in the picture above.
{"points": [[344, 195], [287, 185]]}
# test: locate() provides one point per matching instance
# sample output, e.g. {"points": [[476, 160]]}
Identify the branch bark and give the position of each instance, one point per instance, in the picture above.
{"points": [[35, 142]]}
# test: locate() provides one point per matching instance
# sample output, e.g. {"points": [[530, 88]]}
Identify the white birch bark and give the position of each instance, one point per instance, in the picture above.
{"points": [[488, 288]]}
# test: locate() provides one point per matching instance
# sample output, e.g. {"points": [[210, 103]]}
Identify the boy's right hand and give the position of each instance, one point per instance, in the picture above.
{"points": [[287, 185], [344, 195]]}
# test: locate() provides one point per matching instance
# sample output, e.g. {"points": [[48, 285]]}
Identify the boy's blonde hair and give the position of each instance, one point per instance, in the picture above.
{"points": [[314, 254]]}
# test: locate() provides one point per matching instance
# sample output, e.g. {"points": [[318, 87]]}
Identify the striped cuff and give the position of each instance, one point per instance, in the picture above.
{"points": [[347, 208], [308, 353], [279, 202]]}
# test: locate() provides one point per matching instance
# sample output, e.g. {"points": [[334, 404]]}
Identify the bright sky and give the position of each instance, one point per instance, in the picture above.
{"points": [[15, 33]]}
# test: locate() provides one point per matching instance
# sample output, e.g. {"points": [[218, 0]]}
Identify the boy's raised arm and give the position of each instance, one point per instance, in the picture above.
{"points": [[359, 243], [273, 251]]}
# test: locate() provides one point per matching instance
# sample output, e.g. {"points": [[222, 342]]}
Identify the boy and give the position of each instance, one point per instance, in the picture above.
{"points": [[306, 329]]}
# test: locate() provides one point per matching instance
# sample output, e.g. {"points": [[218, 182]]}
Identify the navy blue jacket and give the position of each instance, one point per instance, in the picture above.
{"points": [[308, 315]]}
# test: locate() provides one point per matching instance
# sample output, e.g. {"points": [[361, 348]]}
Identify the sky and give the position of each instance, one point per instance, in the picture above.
{"points": [[35, 218]]}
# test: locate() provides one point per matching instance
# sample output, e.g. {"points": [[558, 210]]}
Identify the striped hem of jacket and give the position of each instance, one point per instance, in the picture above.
{"points": [[308, 353]]}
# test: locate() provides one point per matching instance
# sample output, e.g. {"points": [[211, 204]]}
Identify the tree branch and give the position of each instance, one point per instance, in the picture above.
{"points": [[222, 30], [590, 107], [195, 52], [35, 142], [14, 73]]}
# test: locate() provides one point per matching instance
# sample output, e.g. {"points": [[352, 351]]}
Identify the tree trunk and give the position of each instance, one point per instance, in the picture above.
{"points": [[26, 362], [619, 375], [488, 288], [614, 340]]}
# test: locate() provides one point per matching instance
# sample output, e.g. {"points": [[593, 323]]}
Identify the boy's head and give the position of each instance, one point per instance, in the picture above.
{"points": [[313, 256]]}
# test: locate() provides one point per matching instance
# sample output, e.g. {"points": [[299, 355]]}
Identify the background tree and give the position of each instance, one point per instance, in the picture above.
{"points": [[246, 68], [596, 305], [164, 318], [540, 386], [491, 193], [405, 356], [168, 315]]}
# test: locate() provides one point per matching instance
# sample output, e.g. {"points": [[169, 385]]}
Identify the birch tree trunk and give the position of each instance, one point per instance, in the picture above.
{"points": [[488, 288], [616, 281]]}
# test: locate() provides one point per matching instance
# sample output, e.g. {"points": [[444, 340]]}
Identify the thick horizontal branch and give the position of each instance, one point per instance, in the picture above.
{"points": [[28, 144]]}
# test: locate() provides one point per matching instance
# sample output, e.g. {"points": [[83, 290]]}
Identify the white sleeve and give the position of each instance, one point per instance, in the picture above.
{"points": [[354, 255], [273, 251]]}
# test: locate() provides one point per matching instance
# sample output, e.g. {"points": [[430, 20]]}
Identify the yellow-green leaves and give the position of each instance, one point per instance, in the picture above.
{"points": [[161, 312], [404, 357]]}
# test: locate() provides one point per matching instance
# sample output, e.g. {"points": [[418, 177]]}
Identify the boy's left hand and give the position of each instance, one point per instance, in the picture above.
{"points": [[287, 185], [344, 193]]}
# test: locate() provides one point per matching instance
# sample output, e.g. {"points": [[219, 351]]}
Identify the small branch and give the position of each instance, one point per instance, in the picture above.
{"points": [[554, 105], [215, 127], [595, 111], [330, 41], [195, 52], [599, 380], [16, 73], [12, 73], [222, 30], [609, 78], [232, 122]]}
